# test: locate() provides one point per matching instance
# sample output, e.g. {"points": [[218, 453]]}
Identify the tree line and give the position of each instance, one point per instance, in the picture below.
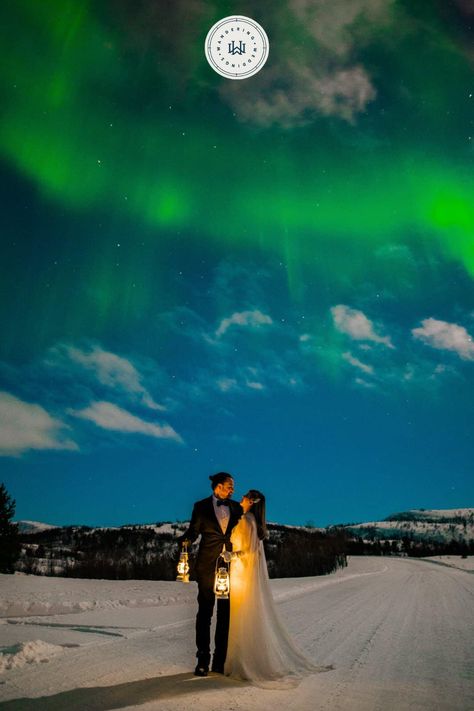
{"points": [[135, 552], [140, 552], [9, 535], [408, 546]]}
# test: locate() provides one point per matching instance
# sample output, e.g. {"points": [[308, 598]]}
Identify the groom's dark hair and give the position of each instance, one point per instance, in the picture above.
{"points": [[219, 478]]}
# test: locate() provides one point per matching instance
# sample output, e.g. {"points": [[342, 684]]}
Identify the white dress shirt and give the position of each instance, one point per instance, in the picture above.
{"points": [[222, 514]]}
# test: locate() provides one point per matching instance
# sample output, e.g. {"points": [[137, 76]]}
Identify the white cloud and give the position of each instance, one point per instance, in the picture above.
{"points": [[356, 325], [226, 384], [291, 95], [114, 371], [254, 385], [258, 379], [357, 363], [363, 383], [331, 22], [111, 417], [446, 336], [25, 426], [252, 319], [322, 79]]}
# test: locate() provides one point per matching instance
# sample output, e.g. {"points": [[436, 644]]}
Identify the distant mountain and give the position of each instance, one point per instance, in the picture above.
{"points": [[150, 550], [34, 526], [433, 526], [434, 515]]}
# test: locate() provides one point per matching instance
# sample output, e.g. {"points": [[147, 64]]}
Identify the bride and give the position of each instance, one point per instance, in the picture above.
{"points": [[259, 648]]}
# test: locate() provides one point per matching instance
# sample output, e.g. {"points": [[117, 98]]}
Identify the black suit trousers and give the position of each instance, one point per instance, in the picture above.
{"points": [[206, 601]]}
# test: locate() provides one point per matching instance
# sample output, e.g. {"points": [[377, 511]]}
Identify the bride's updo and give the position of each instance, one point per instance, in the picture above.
{"points": [[258, 510]]}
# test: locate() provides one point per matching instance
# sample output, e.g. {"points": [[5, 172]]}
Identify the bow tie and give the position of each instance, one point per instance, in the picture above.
{"points": [[223, 502]]}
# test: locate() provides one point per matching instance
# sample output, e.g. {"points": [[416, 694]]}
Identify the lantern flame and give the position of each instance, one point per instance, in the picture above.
{"points": [[222, 583], [183, 565]]}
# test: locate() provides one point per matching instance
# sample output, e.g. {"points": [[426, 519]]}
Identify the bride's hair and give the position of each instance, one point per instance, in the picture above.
{"points": [[258, 510]]}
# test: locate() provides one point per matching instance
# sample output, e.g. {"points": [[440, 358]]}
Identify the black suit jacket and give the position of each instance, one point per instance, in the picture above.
{"points": [[204, 523]]}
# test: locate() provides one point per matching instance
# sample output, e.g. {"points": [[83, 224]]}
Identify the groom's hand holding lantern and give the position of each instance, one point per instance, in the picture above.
{"points": [[183, 564]]}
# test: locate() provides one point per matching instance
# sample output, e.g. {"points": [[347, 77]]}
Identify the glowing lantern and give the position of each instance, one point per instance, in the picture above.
{"points": [[222, 582], [183, 565]]}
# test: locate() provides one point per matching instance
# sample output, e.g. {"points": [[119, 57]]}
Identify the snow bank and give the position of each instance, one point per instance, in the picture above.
{"points": [[28, 595], [398, 632], [28, 653], [453, 561]]}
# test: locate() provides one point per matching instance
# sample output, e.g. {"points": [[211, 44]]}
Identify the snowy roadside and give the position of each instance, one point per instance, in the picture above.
{"points": [[31, 595], [453, 561], [67, 613], [398, 632]]}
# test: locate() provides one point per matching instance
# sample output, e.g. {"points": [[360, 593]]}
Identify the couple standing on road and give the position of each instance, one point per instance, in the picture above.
{"points": [[250, 641]]}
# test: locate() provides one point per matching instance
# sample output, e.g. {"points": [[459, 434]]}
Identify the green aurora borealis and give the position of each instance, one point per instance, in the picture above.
{"points": [[90, 142], [138, 157]]}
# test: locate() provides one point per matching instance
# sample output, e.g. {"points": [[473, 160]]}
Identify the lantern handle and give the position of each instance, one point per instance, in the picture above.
{"points": [[221, 555]]}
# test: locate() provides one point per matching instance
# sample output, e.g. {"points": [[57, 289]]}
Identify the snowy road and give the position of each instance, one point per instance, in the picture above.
{"points": [[399, 633]]}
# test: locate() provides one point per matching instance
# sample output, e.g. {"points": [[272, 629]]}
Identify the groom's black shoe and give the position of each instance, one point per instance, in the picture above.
{"points": [[202, 666], [201, 669], [217, 666]]}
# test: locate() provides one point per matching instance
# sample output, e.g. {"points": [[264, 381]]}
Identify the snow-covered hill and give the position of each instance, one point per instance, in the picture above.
{"points": [[149, 550], [436, 515], [434, 525], [34, 526]]}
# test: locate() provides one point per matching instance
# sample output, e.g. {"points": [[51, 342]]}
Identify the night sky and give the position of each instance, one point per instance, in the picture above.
{"points": [[272, 276]]}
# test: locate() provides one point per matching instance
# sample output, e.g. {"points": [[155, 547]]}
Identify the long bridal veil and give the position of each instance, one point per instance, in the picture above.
{"points": [[260, 649]]}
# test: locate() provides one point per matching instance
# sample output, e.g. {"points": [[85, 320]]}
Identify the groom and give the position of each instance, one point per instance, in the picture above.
{"points": [[212, 518]]}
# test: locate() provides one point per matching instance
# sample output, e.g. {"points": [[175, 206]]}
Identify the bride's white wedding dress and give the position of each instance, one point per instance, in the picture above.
{"points": [[259, 649]]}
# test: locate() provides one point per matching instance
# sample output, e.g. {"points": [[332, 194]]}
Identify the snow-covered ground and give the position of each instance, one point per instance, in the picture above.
{"points": [[398, 632], [453, 561], [420, 529]]}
